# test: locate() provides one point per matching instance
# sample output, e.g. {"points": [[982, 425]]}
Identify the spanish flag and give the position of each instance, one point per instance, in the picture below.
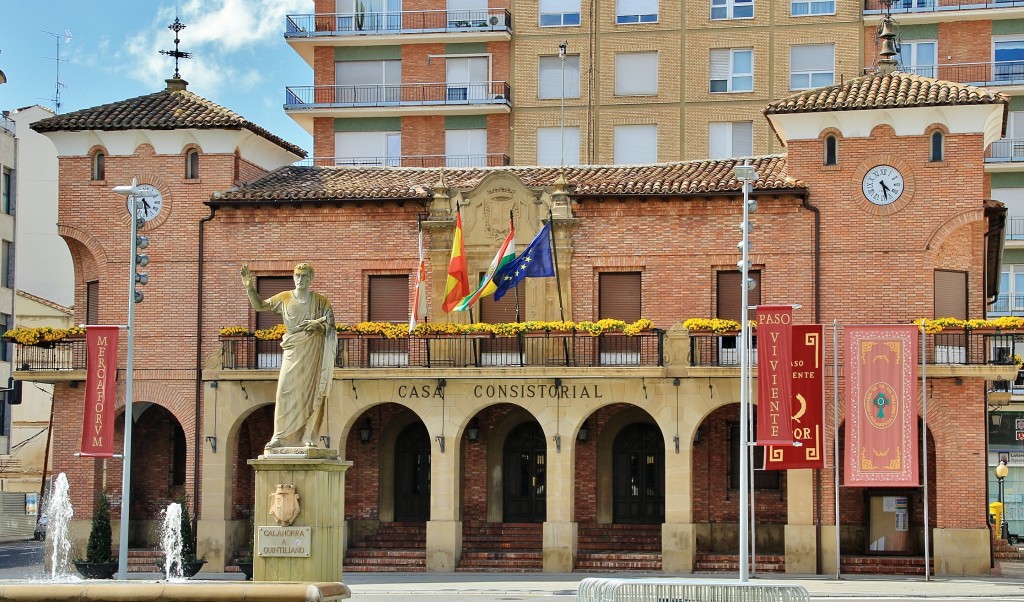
{"points": [[457, 285], [506, 255]]}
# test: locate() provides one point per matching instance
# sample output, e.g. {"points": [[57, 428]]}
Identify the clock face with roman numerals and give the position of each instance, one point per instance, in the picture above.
{"points": [[883, 185], [149, 203]]}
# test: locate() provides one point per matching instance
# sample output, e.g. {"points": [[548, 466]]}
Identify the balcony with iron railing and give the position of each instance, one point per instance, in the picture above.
{"points": [[477, 96], [481, 160], [987, 356], [993, 74], [402, 22], [1005, 150], [874, 7]]}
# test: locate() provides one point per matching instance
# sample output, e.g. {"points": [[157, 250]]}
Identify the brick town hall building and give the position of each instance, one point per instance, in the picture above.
{"points": [[548, 453]]}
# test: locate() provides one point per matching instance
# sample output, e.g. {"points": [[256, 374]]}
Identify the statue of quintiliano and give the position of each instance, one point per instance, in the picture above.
{"points": [[310, 344]]}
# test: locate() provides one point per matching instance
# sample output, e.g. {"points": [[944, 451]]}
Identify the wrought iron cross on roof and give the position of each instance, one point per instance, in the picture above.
{"points": [[176, 27]]}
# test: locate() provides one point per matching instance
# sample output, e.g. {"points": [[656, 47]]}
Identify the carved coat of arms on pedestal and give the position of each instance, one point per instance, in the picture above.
{"points": [[284, 504]]}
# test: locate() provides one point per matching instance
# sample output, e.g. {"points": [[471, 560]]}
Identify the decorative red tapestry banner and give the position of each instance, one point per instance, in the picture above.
{"points": [[100, 377], [808, 404], [774, 351], [881, 406]]}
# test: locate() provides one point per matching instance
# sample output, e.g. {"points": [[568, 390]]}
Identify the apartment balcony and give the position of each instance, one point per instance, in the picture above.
{"points": [[996, 74], [303, 103], [305, 32], [1007, 150], [930, 11], [462, 161]]}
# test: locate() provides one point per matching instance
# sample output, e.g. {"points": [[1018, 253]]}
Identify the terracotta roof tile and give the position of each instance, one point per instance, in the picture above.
{"points": [[42, 301], [298, 183], [884, 91], [164, 110]]}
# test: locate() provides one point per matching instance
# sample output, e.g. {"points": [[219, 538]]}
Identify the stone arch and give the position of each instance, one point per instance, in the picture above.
{"points": [[628, 415], [388, 439], [945, 231], [495, 458]]}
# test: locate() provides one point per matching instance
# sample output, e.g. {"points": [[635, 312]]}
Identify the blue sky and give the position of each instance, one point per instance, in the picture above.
{"points": [[241, 60]]}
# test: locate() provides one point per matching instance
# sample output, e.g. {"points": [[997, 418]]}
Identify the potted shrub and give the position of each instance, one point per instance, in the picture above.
{"points": [[98, 562], [245, 562]]}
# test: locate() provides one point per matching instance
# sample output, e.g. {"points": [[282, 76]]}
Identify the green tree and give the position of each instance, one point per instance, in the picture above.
{"points": [[100, 538]]}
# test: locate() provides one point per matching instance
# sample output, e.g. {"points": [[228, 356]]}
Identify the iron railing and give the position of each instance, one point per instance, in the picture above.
{"points": [[1007, 149], [1008, 304], [395, 95], [465, 351], [874, 7], [481, 160], [67, 354], [947, 348], [994, 73], [397, 22]]}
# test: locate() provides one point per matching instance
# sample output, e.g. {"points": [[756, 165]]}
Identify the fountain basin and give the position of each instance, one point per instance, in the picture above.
{"points": [[147, 591]]}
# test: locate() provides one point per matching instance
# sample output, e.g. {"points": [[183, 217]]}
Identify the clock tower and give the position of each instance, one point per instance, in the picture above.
{"points": [[894, 167]]}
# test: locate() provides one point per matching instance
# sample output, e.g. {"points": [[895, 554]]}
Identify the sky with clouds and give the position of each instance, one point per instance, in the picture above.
{"points": [[241, 60]]}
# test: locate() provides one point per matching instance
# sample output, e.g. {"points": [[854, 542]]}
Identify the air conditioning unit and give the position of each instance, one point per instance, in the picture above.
{"points": [[497, 20]]}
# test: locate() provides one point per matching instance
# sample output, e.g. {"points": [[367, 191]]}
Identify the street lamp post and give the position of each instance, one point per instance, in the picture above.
{"points": [[1001, 471], [747, 175], [134, 194]]}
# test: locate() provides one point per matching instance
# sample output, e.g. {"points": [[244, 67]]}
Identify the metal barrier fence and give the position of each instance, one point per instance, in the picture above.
{"points": [[686, 590]]}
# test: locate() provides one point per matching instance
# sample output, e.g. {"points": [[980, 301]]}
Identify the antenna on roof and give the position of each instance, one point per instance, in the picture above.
{"points": [[176, 27], [66, 36]]}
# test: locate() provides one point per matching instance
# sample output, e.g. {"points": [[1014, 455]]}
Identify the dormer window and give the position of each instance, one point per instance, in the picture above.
{"points": [[831, 150], [99, 166], [192, 164], [937, 152]]}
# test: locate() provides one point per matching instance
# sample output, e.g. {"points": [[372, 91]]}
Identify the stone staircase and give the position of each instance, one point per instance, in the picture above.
{"points": [[143, 561], [395, 547], [881, 565], [608, 547], [501, 547], [713, 562]]}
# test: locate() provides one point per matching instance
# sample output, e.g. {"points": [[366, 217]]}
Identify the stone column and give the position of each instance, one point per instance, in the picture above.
{"points": [[678, 533], [801, 534], [559, 529], [318, 477], [444, 529]]}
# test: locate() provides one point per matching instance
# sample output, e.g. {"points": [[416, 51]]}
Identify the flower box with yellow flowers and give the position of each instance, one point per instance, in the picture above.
{"points": [[43, 336], [450, 330]]}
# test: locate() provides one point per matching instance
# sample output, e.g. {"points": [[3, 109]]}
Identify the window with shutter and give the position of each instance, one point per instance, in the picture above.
{"points": [[636, 73], [730, 139], [552, 141], [92, 302], [950, 294], [267, 287], [550, 68], [388, 301], [730, 307], [635, 144], [811, 66], [619, 298]]}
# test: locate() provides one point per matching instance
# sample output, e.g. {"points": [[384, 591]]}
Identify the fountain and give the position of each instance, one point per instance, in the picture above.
{"points": [[59, 512], [170, 542]]}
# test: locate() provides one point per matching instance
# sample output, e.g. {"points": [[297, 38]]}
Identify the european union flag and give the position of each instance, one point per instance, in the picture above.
{"points": [[534, 262]]}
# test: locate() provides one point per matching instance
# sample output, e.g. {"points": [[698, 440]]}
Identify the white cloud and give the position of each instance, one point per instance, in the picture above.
{"points": [[226, 38]]}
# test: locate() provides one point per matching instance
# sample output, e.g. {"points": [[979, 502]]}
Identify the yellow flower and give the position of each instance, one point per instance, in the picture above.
{"points": [[274, 333], [711, 325], [234, 331]]}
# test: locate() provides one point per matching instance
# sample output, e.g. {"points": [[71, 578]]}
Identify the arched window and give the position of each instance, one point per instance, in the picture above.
{"points": [[831, 150], [99, 166], [192, 164], [937, 152]]}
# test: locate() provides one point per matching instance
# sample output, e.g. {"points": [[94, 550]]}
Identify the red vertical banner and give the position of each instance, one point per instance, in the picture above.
{"points": [[100, 380], [808, 381], [774, 374], [881, 406]]}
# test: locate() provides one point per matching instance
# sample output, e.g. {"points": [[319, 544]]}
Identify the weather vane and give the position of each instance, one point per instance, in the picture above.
{"points": [[176, 27]]}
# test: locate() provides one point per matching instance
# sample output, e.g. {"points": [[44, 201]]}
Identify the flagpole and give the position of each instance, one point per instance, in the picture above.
{"points": [[835, 429], [924, 445]]}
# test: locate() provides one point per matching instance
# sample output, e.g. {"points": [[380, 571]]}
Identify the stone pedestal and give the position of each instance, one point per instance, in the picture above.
{"points": [[318, 477]]}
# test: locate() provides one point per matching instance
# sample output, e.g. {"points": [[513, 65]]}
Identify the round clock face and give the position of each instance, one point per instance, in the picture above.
{"points": [[883, 185], [149, 203]]}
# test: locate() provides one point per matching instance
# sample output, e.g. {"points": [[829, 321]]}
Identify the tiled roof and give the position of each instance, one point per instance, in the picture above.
{"points": [[296, 183], [46, 302], [163, 110], [884, 91]]}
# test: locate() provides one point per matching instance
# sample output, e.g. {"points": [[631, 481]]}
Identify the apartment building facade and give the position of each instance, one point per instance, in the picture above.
{"points": [[558, 82]]}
